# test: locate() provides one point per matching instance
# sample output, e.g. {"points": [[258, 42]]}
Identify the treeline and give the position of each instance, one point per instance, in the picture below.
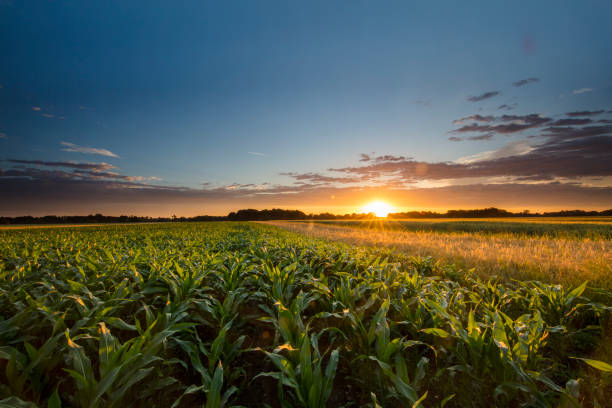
{"points": [[280, 214], [493, 212], [100, 219]]}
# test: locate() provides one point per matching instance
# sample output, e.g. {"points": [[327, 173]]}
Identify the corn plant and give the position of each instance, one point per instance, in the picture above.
{"points": [[310, 385]]}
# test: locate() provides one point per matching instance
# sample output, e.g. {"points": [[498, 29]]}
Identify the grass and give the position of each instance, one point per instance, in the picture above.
{"points": [[244, 314], [555, 253], [567, 228]]}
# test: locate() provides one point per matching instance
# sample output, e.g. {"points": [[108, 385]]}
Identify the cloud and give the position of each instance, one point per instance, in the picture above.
{"points": [[3, 135], [571, 122], [581, 91], [71, 147], [96, 167], [512, 149], [70, 171], [486, 136], [567, 152], [67, 196], [484, 96], [35, 108], [47, 115], [517, 123], [317, 178], [525, 81], [506, 106], [141, 178], [257, 153], [384, 158], [585, 113], [476, 118], [566, 132]]}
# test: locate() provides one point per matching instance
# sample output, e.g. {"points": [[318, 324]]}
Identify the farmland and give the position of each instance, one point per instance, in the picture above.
{"points": [[563, 250], [243, 314]]}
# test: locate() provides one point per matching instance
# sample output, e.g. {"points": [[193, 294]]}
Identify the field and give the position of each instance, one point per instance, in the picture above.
{"points": [[245, 314], [566, 251]]}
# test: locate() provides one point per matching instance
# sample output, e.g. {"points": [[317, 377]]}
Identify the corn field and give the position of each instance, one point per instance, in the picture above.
{"points": [[242, 314]]}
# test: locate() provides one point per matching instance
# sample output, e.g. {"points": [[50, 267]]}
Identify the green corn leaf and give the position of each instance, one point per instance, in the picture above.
{"points": [[213, 396], [54, 401], [600, 365], [418, 402], [575, 293], [436, 332]]}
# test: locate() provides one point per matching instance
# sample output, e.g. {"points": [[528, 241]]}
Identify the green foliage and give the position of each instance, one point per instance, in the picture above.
{"points": [[231, 314]]}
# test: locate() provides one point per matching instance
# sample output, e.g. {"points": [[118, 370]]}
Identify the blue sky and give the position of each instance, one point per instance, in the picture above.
{"points": [[236, 94]]}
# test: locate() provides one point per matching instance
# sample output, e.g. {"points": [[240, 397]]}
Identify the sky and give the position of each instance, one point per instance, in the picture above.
{"points": [[193, 107]]}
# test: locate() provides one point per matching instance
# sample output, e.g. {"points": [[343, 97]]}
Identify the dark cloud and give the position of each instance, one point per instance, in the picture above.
{"points": [[75, 174], [83, 166], [506, 106], [571, 122], [487, 136], [385, 158], [585, 113], [518, 124], [317, 178], [567, 152], [484, 96], [476, 118], [525, 81], [564, 133]]}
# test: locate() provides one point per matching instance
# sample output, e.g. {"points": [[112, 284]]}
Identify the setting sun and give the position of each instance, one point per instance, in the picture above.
{"points": [[380, 208]]}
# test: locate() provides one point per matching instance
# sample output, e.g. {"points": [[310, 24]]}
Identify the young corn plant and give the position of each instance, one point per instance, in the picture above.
{"points": [[120, 366], [28, 374], [394, 378], [288, 321], [309, 385], [219, 357], [216, 313]]}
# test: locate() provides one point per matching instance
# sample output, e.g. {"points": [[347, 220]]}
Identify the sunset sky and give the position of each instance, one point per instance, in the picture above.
{"points": [[192, 107]]}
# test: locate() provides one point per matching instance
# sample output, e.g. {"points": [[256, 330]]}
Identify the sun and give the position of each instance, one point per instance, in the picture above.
{"points": [[379, 208]]}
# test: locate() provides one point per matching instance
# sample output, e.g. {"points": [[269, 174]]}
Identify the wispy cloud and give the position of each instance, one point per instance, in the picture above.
{"points": [[47, 115], [71, 147], [257, 153], [483, 96], [3, 135], [525, 81], [35, 108], [585, 113], [96, 167], [581, 91], [512, 149]]}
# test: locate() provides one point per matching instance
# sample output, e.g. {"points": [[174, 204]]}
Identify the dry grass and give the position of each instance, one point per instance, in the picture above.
{"points": [[512, 256]]}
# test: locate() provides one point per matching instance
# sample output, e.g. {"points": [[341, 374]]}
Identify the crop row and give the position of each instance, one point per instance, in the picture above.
{"points": [[229, 314]]}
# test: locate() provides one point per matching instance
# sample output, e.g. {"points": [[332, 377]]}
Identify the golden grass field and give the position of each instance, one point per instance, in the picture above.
{"points": [[510, 255]]}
